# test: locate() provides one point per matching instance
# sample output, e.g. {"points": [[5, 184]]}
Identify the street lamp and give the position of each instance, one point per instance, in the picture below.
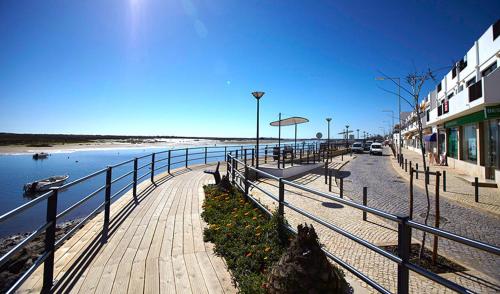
{"points": [[257, 96], [347, 136], [329, 119], [399, 103]]}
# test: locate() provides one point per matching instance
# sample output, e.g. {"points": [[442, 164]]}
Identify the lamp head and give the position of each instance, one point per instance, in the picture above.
{"points": [[258, 94], [329, 119]]}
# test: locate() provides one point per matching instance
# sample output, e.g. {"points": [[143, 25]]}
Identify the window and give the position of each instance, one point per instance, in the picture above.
{"points": [[439, 87], [475, 91], [453, 143], [489, 70], [428, 114], [460, 88], [446, 106], [462, 63], [469, 143], [451, 95], [470, 82], [496, 29], [454, 72]]}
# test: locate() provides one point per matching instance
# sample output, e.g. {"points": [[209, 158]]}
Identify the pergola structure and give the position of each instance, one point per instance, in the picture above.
{"points": [[291, 121]]}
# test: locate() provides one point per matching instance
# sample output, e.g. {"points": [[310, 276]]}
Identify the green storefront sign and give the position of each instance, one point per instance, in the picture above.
{"points": [[492, 111], [468, 119]]}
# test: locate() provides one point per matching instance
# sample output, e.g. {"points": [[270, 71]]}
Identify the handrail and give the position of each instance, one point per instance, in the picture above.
{"points": [[404, 230], [51, 196]]}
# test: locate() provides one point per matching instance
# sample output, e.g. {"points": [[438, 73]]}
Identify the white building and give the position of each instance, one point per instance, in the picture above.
{"points": [[463, 113]]}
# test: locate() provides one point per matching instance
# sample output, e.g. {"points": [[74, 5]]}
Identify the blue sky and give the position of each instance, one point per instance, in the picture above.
{"points": [[188, 67]]}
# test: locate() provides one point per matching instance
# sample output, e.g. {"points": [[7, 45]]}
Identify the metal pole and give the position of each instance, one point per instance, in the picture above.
{"points": [[341, 187], [399, 112], [444, 181], [411, 193], [205, 155], [416, 169], [330, 181], [50, 239], [152, 168], [365, 200], [134, 188], [247, 184], [186, 157], [257, 163], [253, 158], [169, 157], [279, 140], [436, 221], [476, 189], [107, 204], [281, 206], [326, 171], [265, 155], [404, 242]]}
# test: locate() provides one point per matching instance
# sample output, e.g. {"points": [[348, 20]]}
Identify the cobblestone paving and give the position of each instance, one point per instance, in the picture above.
{"points": [[457, 188], [389, 192], [375, 230]]}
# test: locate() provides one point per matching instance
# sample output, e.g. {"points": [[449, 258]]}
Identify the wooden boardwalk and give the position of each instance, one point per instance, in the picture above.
{"points": [[155, 245]]}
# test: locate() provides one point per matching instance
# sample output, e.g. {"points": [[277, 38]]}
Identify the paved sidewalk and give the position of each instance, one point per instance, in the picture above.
{"points": [[456, 188], [375, 230]]}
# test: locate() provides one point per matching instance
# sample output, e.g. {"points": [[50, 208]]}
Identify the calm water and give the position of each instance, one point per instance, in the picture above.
{"points": [[16, 170]]}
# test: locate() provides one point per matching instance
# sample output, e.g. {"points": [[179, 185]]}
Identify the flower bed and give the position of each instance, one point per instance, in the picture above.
{"points": [[249, 240]]}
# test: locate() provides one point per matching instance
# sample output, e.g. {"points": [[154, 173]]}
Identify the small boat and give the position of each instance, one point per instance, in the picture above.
{"points": [[45, 184], [41, 155]]}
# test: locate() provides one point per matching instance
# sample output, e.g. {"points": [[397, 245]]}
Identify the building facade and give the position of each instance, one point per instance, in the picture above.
{"points": [[461, 117]]}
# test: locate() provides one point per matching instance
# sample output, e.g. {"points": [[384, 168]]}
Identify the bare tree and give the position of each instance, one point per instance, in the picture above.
{"points": [[416, 81]]}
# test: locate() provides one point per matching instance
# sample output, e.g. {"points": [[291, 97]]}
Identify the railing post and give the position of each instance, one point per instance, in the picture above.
{"points": [[233, 168], [187, 157], [205, 155], [283, 157], [416, 169], [411, 193], [246, 157], [476, 189], [341, 187], [404, 242], [225, 152], [50, 239], [427, 176], [365, 200], [444, 181], [410, 165], [237, 154], [342, 156], [169, 156], [253, 157], [265, 155], [107, 204], [152, 168], [247, 184], [281, 205], [134, 189]]}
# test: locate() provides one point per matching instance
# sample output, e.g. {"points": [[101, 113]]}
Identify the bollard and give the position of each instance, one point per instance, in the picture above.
{"points": [[326, 172], [330, 181], [341, 187], [416, 171], [406, 165], [476, 189], [365, 200], [444, 181], [410, 166]]}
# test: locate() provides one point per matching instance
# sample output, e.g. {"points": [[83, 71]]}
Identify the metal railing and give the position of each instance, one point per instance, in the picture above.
{"points": [[155, 162], [405, 226]]}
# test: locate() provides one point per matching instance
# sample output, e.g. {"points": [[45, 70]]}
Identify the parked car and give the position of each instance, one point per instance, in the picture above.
{"points": [[368, 144], [357, 147], [376, 148]]}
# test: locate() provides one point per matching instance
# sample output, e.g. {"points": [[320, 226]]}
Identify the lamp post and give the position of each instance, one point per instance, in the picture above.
{"points": [[347, 136], [329, 119], [257, 96], [357, 130], [399, 104]]}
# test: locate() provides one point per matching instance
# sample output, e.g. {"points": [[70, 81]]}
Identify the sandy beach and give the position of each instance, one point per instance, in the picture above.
{"points": [[124, 144]]}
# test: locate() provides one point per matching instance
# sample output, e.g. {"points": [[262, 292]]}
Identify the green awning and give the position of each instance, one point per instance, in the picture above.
{"points": [[468, 119]]}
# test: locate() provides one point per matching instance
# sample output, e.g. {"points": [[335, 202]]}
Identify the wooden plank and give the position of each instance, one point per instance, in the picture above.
{"points": [[194, 274], [211, 280]]}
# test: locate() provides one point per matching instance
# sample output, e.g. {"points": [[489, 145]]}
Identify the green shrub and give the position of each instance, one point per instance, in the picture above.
{"points": [[248, 239]]}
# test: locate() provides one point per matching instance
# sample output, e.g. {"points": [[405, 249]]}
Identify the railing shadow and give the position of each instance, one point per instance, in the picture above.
{"points": [[77, 268]]}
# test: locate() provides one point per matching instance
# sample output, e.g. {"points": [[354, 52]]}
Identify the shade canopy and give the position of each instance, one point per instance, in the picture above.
{"points": [[289, 121], [430, 138]]}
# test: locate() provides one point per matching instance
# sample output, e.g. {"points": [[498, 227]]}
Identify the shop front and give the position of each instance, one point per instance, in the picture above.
{"points": [[492, 144]]}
